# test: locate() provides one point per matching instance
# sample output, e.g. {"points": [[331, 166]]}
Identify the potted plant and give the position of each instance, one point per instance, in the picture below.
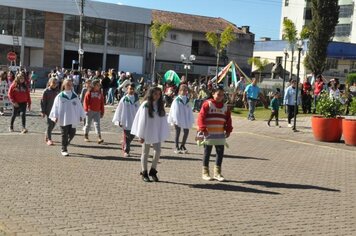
{"points": [[328, 126], [349, 126]]}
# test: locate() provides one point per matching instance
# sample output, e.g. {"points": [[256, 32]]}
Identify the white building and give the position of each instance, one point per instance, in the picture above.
{"points": [[299, 11]]}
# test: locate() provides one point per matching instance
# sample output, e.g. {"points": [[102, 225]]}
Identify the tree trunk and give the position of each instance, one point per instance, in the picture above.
{"points": [[154, 66], [217, 66], [291, 67]]}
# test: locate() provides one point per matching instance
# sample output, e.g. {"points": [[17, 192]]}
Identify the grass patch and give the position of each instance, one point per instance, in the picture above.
{"points": [[262, 113]]}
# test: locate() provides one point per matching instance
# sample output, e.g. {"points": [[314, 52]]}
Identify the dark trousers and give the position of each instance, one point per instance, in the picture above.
{"points": [[50, 127], [128, 137], [105, 93], [274, 114], [219, 154], [16, 111], [185, 136], [306, 103], [290, 111], [67, 133]]}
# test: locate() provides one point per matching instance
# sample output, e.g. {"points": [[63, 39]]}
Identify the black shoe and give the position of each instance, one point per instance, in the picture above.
{"points": [[145, 177], [153, 174]]}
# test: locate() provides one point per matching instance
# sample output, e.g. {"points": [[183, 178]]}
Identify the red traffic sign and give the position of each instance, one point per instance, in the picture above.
{"points": [[11, 56]]}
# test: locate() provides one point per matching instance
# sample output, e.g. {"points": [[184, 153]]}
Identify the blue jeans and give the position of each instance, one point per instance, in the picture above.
{"points": [[111, 96], [251, 108]]}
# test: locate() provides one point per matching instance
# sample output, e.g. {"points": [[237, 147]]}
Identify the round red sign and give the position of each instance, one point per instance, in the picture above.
{"points": [[11, 56]]}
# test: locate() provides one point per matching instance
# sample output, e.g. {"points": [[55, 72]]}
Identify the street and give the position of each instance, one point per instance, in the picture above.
{"points": [[279, 183]]}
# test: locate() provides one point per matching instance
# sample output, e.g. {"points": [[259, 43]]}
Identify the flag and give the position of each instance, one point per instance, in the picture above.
{"points": [[171, 76]]}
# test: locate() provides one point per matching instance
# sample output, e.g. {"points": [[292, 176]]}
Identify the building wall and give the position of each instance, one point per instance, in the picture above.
{"points": [[53, 39], [176, 44]]}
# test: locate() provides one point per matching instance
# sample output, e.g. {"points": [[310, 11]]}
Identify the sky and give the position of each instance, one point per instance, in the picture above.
{"points": [[263, 16]]}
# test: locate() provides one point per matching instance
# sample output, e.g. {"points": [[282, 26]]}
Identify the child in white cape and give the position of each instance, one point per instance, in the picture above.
{"points": [[125, 114], [181, 116], [68, 111], [151, 127]]}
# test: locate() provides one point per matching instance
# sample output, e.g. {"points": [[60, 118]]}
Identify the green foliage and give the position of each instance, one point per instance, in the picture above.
{"points": [[222, 41], [289, 31], [351, 78], [328, 107], [159, 32], [353, 107], [305, 33], [260, 64], [325, 17], [213, 39]]}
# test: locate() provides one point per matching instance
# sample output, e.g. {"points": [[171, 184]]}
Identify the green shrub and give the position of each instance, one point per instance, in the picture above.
{"points": [[353, 107], [351, 78], [328, 107]]}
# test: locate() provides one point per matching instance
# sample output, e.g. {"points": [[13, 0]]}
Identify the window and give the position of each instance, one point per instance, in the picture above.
{"points": [[332, 63], [307, 13], [286, 3], [93, 30], [126, 35], [10, 21], [279, 60], [202, 48], [343, 30], [346, 11], [353, 65], [35, 24]]}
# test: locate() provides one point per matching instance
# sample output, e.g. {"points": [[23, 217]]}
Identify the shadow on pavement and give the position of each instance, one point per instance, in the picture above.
{"points": [[179, 158], [104, 158], [245, 158], [187, 143], [286, 186], [223, 187], [96, 147]]}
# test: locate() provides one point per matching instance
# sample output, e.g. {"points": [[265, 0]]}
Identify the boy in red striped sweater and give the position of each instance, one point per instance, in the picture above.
{"points": [[214, 120], [94, 107]]}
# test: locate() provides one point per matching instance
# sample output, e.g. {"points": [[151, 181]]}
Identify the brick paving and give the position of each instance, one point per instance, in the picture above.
{"points": [[279, 183]]}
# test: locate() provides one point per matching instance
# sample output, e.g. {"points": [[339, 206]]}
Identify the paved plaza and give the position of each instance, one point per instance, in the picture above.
{"points": [[279, 183]]}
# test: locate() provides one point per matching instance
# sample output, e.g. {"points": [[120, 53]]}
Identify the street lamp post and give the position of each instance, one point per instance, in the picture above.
{"points": [[284, 71], [187, 61], [300, 45], [81, 50]]}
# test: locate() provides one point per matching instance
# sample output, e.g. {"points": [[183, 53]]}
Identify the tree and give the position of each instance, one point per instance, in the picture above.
{"points": [[159, 32], [290, 34], [220, 42], [259, 64], [325, 17]]}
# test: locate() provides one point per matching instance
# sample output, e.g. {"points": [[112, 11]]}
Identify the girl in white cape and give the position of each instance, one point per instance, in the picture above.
{"points": [[181, 116], [151, 127], [125, 114], [68, 111]]}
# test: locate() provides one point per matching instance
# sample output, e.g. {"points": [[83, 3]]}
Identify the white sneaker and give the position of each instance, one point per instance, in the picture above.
{"points": [[177, 151], [65, 153], [206, 178], [290, 125], [219, 178]]}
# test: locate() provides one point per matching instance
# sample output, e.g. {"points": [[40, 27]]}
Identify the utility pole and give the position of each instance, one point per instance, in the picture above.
{"points": [[81, 50]]}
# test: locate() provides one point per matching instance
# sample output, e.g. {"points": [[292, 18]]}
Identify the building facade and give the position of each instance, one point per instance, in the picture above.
{"points": [[188, 37], [341, 58], [299, 11], [45, 34]]}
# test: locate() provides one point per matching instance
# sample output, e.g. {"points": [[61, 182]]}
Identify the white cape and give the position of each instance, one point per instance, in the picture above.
{"points": [[125, 112], [152, 130], [181, 114], [68, 111]]}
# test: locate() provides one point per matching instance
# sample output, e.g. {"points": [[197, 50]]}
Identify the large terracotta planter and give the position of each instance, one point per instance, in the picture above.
{"points": [[349, 131], [327, 129]]}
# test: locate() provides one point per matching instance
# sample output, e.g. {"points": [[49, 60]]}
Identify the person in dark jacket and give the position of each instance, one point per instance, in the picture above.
{"points": [[105, 84], [48, 96], [112, 87]]}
